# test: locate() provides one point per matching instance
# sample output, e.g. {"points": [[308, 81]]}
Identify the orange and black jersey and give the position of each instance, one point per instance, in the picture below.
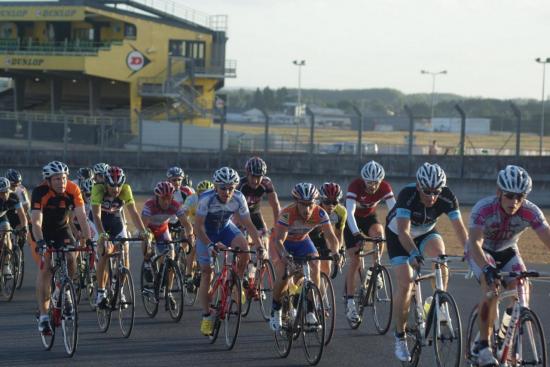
{"points": [[56, 208]]}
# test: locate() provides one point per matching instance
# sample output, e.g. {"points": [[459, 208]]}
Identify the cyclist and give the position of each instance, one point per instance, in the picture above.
{"points": [[51, 205], [176, 177], [82, 174], [411, 232], [17, 187], [290, 237], [215, 230], [253, 186], [155, 215], [86, 186], [330, 194], [496, 223], [363, 196], [9, 203], [190, 208], [108, 200], [100, 171]]}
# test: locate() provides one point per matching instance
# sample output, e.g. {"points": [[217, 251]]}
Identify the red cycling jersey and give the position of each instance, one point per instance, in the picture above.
{"points": [[367, 203]]}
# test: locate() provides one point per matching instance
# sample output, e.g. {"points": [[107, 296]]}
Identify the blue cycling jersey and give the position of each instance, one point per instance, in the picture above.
{"points": [[218, 214]]}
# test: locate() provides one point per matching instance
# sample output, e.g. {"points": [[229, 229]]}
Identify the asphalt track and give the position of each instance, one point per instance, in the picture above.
{"points": [[160, 342]]}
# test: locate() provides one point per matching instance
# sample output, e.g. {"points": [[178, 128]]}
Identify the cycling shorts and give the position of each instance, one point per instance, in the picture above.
{"points": [[258, 222], [225, 236], [505, 260], [300, 248], [364, 224], [114, 225], [321, 245], [397, 254]]}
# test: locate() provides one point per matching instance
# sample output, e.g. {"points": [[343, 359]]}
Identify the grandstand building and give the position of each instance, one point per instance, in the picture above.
{"points": [[112, 61]]}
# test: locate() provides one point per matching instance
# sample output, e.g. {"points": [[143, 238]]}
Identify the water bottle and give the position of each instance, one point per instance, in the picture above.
{"points": [[504, 324], [427, 304]]}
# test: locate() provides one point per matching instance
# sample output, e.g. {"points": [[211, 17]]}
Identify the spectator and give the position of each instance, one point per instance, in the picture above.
{"points": [[434, 148]]}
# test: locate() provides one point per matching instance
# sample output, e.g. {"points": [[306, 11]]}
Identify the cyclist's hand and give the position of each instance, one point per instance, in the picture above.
{"points": [[416, 259], [103, 237], [491, 275], [146, 235], [22, 231], [41, 247], [336, 257], [359, 238]]}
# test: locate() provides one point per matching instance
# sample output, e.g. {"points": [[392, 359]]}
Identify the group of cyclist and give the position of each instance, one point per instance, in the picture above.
{"points": [[225, 212]]}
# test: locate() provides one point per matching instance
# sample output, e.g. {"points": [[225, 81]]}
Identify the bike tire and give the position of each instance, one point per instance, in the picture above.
{"points": [[329, 304], [530, 335], [382, 299], [48, 339], [265, 280], [126, 310], [7, 279], [20, 264], [359, 295], [447, 341], [69, 318], [104, 313], [248, 298], [232, 310], [216, 309], [91, 286], [413, 334], [80, 278], [177, 290], [313, 336], [149, 292], [284, 336]]}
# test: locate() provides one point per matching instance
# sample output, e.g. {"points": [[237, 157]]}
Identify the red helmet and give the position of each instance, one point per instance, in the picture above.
{"points": [[164, 189], [331, 191], [115, 176]]}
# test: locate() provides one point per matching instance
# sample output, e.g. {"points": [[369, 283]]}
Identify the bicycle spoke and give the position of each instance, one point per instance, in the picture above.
{"points": [[447, 331], [69, 318], [313, 324], [126, 304]]}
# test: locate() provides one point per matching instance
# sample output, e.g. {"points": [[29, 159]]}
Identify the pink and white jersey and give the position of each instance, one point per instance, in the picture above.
{"points": [[158, 217], [500, 230]]}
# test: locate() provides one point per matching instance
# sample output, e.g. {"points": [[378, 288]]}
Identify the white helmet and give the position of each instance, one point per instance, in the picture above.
{"points": [[4, 184], [373, 171], [54, 168], [514, 179], [431, 176], [100, 169], [226, 175]]}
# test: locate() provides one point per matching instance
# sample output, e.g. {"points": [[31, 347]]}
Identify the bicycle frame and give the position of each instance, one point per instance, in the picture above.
{"points": [[222, 281]]}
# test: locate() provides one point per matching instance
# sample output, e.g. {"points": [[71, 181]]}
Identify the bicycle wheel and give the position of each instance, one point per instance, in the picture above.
{"points": [[48, 339], [472, 338], [447, 331], [126, 304], [412, 332], [177, 290], [265, 279], [181, 259], [192, 288], [104, 313], [359, 295], [329, 304], [216, 309], [81, 276], [148, 292], [313, 331], [69, 318], [283, 337], [91, 287], [248, 291], [19, 265], [231, 315], [530, 344], [7, 277], [382, 299]]}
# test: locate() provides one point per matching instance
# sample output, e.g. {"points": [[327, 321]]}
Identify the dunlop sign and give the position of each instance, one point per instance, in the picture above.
{"points": [[41, 13], [24, 61]]}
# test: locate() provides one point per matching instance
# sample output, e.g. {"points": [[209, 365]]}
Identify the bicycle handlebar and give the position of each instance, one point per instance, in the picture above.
{"points": [[444, 258], [237, 251]]}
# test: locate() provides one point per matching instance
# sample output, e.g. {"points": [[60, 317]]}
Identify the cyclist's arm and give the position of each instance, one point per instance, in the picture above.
{"points": [[460, 229], [136, 219], [404, 234], [390, 202], [350, 209], [80, 214], [278, 240], [274, 203], [475, 246], [36, 220], [22, 217], [251, 230], [201, 230], [75, 231], [186, 226], [544, 235], [96, 213], [330, 237]]}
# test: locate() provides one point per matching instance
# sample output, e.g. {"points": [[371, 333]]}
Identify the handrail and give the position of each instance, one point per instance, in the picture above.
{"points": [[77, 47]]}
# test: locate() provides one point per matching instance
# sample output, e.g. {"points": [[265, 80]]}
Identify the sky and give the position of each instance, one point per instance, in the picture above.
{"points": [[488, 47]]}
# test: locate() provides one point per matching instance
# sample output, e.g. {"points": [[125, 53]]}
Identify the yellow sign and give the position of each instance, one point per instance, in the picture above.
{"points": [[41, 13], [42, 62]]}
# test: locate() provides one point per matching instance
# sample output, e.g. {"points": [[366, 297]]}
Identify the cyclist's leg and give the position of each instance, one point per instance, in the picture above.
{"points": [[206, 264], [231, 236], [323, 250], [431, 245], [374, 229], [354, 262]]}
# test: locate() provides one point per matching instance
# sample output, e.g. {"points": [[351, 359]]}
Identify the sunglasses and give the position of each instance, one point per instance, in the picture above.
{"points": [[307, 204], [329, 202], [227, 188], [514, 196], [177, 179], [431, 192], [115, 186]]}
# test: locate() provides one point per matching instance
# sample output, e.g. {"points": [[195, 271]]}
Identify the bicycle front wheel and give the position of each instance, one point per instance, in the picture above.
{"points": [[7, 276], [447, 331], [104, 313], [382, 299], [69, 318], [312, 315], [177, 291], [48, 338], [329, 305], [148, 291], [231, 315], [265, 279], [19, 265], [284, 336], [126, 304], [530, 344], [413, 334]]}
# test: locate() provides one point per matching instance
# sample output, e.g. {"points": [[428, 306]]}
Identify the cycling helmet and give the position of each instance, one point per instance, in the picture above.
{"points": [[115, 176], [256, 166], [175, 172], [373, 171], [204, 185], [226, 175], [100, 169], [305, 191], [13, 175], [84, 173], [164, 189], [54, 168], [4, 184], [331, 191], [431, 176], [514, 179], [86, 185]]}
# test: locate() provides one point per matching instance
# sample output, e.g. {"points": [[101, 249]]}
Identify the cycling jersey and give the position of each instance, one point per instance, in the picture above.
{"points": [[190, 205], [254, 195], [337, 219], [217, 213], [367, 203], [159, 217], [500, 230], [297, 228], [422, 219], [11, 204], [56, 209], [109, 204], [181, 196]]}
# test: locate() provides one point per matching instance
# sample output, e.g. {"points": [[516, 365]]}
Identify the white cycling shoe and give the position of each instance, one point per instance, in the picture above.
{"points": [[351, 312], [402, 350], [275, 322], [486, 358]]}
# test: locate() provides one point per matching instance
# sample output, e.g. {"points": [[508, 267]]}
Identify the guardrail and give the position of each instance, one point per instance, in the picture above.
{"points": [[56, 118], [65, 48]]}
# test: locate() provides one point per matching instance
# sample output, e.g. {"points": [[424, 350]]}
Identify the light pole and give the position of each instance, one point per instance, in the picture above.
{"points": [[433, 74], [543, 62], [298, 112]]}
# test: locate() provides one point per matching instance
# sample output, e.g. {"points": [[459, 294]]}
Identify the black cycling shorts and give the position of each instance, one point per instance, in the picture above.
{"points": [[397, 254], [364, 224]]}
